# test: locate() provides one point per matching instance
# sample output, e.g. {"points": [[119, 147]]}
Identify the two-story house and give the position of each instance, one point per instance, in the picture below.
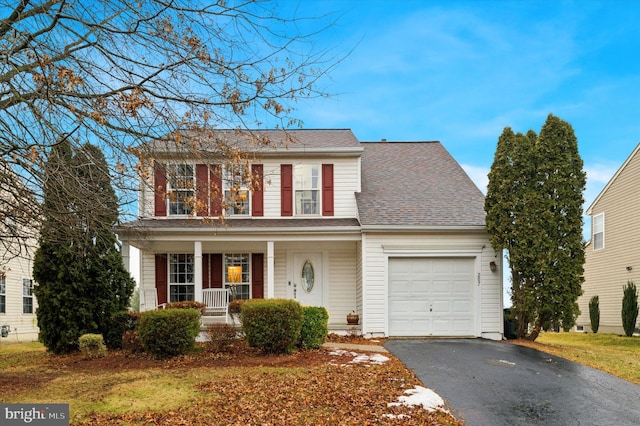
{"points": [[612, 256], [393, 231]]}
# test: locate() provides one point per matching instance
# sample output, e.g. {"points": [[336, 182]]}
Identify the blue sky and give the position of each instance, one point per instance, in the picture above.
{"points": [[460, 71]]}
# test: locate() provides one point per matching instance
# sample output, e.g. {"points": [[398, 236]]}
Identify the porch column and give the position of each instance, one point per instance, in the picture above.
{"points": [[126, 258], [197, 273], [271, 288]]}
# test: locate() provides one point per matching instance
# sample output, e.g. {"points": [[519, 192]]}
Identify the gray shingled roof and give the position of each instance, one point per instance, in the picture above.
{"points": [[416, 184], [254, 140]]}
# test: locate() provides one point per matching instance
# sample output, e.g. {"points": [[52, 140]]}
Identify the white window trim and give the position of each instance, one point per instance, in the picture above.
{"points": [[226, 284], [170, 283], [3, 292], [29, 296], [318, 190], [170, 189], [593, 231], [227, 185]]}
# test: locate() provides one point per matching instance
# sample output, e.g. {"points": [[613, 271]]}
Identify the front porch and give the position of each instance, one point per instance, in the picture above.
{"points": [[315, 273]]}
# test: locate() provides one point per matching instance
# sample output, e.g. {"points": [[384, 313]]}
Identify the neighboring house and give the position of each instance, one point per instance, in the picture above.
{"points": [[612, 256], [393, 231], [17, 302]]}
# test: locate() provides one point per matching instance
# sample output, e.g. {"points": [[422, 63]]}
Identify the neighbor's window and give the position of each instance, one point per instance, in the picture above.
{"points": [[180, 188], [27, 296], [306, 185], [237, 277], [236, 194], [181, 281], [3, 294], [598, 231]]}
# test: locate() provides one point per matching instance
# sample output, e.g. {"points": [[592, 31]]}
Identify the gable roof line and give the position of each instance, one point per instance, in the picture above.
{"points": [[615, 176]]}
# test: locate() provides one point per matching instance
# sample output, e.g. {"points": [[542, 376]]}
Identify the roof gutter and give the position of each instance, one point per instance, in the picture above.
{"points": [[413, 228]]}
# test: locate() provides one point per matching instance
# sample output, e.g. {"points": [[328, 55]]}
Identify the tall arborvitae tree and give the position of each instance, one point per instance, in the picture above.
{"points": [[81, 279], [534, 212], [507, 204], [560, 255]]}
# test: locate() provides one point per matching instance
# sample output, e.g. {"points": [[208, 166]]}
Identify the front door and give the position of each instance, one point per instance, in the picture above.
{"points": [[307, 278]]}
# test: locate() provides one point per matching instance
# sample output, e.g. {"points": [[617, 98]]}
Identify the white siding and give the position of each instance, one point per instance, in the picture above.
{"points": [[24, 327], [342, 283], [379, 247], [346, 184]]}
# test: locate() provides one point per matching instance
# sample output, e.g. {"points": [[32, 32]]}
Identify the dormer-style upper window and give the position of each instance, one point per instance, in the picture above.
{"points": [[180, 189], [307, 189]]}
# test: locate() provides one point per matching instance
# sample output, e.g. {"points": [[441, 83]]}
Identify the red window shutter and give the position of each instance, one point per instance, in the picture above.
{"points": [[161, 278], [215, 191], [257, 275], [216, 270], [327, 190], [206, 271], [286, 190], [202, 190], [159, 190], [257, 199]]}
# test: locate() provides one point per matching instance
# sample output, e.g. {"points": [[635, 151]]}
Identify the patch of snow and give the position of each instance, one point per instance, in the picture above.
{"points": [[376, 359], [419, 395]]}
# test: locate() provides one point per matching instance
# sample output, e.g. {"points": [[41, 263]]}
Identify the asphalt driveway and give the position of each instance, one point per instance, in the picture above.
{"points": [[496, 383]]}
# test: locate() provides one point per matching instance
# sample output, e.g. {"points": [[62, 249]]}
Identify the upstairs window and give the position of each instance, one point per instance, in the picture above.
{"points": [[27, 296], [307, 189], [597, 227], [180, 188], [237, 194]]}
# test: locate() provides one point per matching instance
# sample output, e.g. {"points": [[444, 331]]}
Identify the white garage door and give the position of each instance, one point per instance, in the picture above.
{"points": [[431, 297]]}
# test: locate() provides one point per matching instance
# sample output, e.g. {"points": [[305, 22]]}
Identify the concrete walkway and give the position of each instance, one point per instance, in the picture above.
{"points": [[352, 347]]}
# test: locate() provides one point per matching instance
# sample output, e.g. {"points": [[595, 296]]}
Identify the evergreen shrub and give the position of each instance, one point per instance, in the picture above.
{"points": [[594, 313], [272, 325], [629, 308], [92, 346], [315, 327], [169, 332]]}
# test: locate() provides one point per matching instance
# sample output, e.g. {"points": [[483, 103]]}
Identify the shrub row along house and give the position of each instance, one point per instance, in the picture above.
{"points": [[612, 254], [392, 231]]}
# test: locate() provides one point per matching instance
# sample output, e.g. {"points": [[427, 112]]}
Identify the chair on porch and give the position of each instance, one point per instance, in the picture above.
{"points": [[149, 299], [216, 301]]}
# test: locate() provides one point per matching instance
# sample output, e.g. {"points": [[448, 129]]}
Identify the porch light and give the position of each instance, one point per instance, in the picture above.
{"points": [[234, 274], [493, 266]]}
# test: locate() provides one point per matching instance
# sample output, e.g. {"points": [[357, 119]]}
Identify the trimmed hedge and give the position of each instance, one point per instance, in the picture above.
{"points": [[119, 323], [272, 325], [169, 332], [315, 327], [92, 346]]}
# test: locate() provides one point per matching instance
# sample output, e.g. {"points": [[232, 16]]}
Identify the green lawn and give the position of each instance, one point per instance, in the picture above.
{"points": [[614, 354]]}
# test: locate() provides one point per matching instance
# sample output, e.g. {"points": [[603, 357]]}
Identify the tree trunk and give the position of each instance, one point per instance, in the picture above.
{"points": [[535, 333]]}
